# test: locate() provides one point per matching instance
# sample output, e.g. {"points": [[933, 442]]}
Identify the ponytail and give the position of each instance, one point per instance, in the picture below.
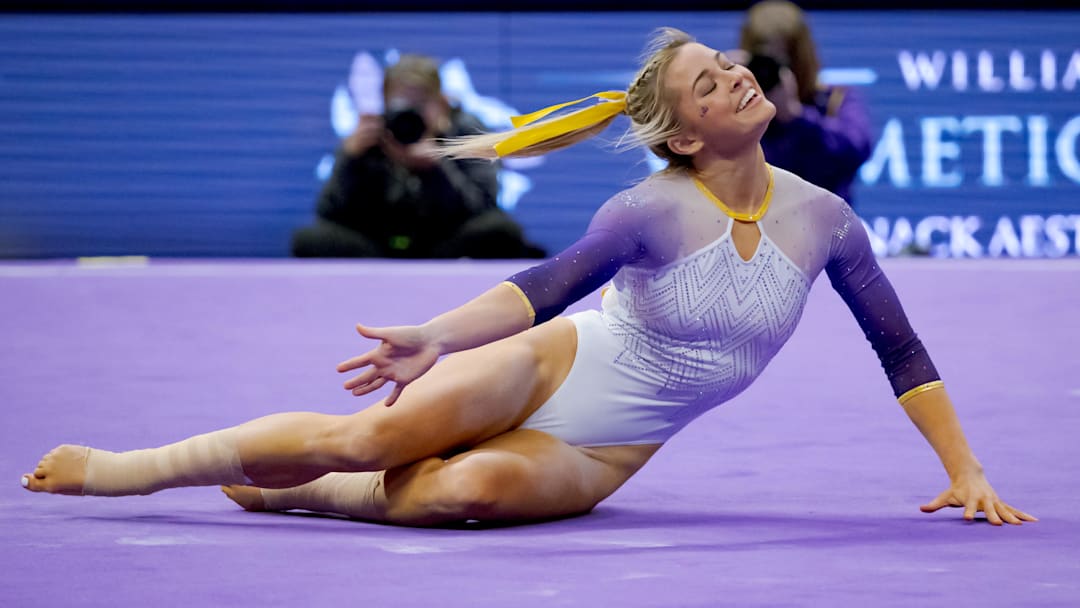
{"points": [[534, 135]]}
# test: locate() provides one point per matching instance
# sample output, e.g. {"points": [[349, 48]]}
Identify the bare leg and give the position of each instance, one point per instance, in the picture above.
{"points": [[466, 399], [518, 476]]}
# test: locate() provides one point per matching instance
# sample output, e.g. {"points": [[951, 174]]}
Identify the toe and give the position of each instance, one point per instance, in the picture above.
{"points": [[248, 497], [32, 483]]}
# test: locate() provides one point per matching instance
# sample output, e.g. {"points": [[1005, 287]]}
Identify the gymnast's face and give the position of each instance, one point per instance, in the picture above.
{"points": [[719, 104]]}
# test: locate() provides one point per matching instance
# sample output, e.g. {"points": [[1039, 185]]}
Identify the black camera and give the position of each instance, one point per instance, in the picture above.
{"points": [[405, 124], [766, 70]]}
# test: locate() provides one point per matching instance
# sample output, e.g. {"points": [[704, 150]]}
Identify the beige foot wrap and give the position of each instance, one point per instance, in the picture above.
{"points": [[357, 495], [202, 460]]}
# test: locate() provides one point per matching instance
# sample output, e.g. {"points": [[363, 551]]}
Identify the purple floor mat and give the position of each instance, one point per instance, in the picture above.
{"points": [[802, 491]]}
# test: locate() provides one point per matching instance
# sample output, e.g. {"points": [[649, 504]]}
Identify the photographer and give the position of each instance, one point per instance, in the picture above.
{"points": [[389, 196], [820, 133]]}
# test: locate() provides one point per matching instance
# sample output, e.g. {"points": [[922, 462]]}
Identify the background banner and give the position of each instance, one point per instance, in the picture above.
{"points": [[210, 135]]}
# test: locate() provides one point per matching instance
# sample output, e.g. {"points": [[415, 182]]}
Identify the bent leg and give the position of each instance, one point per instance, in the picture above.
{"points": [[519, 476], [465, 399]]}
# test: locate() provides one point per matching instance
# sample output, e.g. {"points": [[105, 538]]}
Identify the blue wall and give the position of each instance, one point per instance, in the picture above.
{"points": [[202, 135]]}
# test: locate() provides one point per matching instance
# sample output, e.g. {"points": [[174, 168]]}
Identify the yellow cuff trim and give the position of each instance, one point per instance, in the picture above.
{"points": [[918, 390], [614, 102], [524, 298]]}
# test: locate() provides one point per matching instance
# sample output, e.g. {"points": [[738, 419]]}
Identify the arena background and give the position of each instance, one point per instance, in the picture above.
{"points": [[178, 134]]}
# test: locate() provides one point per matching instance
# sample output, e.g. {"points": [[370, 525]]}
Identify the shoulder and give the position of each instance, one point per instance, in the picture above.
{"points": [[792, 191], [819, 214], [654, 196]]}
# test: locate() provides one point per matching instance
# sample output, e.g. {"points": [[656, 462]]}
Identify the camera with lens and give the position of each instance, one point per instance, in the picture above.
{"points": [[405, 124], [766, 70]]}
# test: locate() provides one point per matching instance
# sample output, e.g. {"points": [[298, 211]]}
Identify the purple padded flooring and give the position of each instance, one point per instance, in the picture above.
{"points": [[802, 491]]}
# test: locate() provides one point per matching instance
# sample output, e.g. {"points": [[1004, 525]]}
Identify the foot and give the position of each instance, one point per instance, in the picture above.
{"points": [[61, 471], [248, 497]]}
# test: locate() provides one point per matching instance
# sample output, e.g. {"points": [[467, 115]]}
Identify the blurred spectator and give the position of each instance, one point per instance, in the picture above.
{"points": [[388, 196], [820, 133]]}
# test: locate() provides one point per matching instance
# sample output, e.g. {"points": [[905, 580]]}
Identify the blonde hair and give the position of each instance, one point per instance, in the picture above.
{"points": [[648, 104], [778, 27]]}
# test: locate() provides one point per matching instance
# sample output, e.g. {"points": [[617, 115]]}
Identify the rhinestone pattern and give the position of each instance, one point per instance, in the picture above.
{"points": [[705, 327]]}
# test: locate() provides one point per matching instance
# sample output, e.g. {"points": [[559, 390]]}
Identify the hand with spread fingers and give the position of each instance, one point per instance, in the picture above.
{"points": [[404, 354], [974, 494]]}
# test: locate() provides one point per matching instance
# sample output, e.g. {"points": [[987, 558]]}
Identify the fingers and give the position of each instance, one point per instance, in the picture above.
{"points": [[997, 511], [943, 500], [369, 332], [990, 510], [970, 509], [374, 385], [394, 394], [1017, 514], [355, 362], [359, 380], [1006, 513], [1021, 515]]}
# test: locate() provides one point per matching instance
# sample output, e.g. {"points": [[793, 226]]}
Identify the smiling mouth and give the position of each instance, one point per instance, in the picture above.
{"points": [[746, 99]]}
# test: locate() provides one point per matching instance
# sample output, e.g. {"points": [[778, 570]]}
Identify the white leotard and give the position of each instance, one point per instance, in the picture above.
{"points": [[690, 324]]}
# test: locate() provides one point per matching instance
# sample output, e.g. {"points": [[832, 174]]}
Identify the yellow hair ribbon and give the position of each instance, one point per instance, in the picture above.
{"points": [[615, 103]]}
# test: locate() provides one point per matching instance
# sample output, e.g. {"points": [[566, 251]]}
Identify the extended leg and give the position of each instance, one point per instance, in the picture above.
{"points": [[464, 400], [198, 461]]}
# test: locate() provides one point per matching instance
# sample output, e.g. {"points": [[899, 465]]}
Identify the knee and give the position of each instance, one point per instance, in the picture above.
{"points": [[468, 489], [352, 444], [473, 489]]}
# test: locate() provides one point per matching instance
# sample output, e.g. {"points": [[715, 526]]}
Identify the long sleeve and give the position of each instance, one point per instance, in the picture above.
{"points": [[856, 276], [617, 236], [575, 273]]}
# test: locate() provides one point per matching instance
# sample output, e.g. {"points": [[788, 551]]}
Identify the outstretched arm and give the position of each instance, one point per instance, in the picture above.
{"points": [[406, 352], [525, 299], [856, 276], [934, 416]]}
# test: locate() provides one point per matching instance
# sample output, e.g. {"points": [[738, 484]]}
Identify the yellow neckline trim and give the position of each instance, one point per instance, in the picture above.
{"points": [[735, 215]]}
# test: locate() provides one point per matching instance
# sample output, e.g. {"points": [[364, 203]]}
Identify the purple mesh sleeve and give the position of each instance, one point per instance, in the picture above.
{"points": [[576, 272], [856, 276]]}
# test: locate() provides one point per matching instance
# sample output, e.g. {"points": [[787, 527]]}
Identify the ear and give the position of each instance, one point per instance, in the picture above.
{"points": [[686, 143]]}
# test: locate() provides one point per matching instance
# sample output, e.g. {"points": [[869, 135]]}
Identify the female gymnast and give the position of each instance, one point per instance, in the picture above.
{"points": [[536, 415]]}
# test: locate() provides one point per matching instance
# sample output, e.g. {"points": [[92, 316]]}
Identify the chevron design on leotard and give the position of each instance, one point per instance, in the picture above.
{"points": [[704, 327]]}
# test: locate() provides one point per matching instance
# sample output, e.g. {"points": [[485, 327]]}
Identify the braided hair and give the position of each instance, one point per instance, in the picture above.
{"points": [[649, 104]]}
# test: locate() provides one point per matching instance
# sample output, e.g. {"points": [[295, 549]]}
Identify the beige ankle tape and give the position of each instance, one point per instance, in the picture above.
{"points": [[359, 495], [202, 460]]}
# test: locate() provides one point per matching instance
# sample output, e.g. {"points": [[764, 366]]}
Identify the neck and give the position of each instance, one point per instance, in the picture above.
{"points": [[739, 181]]}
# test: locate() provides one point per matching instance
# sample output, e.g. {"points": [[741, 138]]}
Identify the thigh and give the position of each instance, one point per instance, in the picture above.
{"points": [[472, 396], [521, 475]]}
